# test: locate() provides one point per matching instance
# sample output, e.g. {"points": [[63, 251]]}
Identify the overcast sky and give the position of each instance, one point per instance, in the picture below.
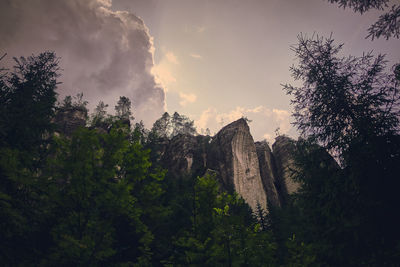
{"points": [[212, 60]]}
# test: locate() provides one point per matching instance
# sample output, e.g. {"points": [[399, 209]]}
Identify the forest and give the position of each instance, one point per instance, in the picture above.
{"points": [[99, 196]]}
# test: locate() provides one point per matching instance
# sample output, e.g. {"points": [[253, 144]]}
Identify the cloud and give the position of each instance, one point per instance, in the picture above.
{"points": [[172, 58], [201, 29], [281, 114], [269, 137], [163, 75], [104, 53], [163, 71], [264, 120], [187, 98], [203, 121], [225, 118], [283, 118], [196, 56], [256, 109]]}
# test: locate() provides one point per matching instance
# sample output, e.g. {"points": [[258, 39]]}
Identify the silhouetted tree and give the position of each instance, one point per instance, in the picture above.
{"points": [[388, 24], [123, 108], [182, 125], [100, 114], [342, 98], [27, 105], [162, 126], [76, 103], [169, 126], [28, 100], [350, 106], [361, 6]]}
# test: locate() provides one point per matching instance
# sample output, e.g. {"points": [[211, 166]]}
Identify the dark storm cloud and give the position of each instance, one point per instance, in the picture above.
{"points": [[104, 53]]}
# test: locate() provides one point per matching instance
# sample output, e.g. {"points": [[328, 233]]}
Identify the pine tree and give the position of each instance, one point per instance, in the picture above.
{"points": [[350, 107]]}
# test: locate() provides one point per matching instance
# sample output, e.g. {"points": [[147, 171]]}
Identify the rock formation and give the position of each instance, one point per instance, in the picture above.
{"points": [[268, 173], [283, 150], [186, 154], [235, 158], [250, 169], [70, 119]]}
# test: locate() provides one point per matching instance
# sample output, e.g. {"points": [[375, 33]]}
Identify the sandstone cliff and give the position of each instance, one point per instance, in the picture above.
{"points": [[235, 158], [268, 173], [70, 119], [186, 154], [250, 169], [283, 151]]}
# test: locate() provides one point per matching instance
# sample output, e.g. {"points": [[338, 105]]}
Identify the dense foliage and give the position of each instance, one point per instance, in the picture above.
{"points": [[351, 107], [98, 196], [342, 98], [94, 197]]}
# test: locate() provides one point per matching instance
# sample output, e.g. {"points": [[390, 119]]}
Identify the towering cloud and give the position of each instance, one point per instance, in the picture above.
{"points": [[104, 53]]}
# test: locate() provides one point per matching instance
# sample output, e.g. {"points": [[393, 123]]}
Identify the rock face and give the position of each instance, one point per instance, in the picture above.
{"points": [[234, 156], [256, 173], [251, 169], [70, 119], [186, 154], [283, 150], [268, 173]]}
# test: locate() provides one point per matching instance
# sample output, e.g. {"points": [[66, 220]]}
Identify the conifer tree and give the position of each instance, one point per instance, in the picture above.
{"points": [[350, 106]]}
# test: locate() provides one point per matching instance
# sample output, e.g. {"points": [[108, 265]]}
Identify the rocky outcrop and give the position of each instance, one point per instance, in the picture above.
{"points": [[283, 151], [186, 154], [251, 169], [68, 120], [233, 154], [268, 173]]}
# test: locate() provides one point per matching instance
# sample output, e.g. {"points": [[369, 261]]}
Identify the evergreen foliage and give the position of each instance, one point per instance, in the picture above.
{"points": [[95, 198], [350, 106], [98, 197], [223, 232], [169, 126], [342, 98], [28, 101], [100, 118], [388, 24], [123, 108]]}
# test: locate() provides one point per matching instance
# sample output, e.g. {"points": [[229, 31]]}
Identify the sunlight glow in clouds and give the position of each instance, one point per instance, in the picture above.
{"points": [[187, 98], [172, 58], [268, 120], [165, 70], [163, 75]]}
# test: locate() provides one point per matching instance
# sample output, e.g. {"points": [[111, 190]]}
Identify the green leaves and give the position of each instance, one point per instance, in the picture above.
{"points": [[222, 212], [106, 191], [223, 232]]}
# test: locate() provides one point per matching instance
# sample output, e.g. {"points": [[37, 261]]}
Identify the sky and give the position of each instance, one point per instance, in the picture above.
{"points": [[211, 60]]}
